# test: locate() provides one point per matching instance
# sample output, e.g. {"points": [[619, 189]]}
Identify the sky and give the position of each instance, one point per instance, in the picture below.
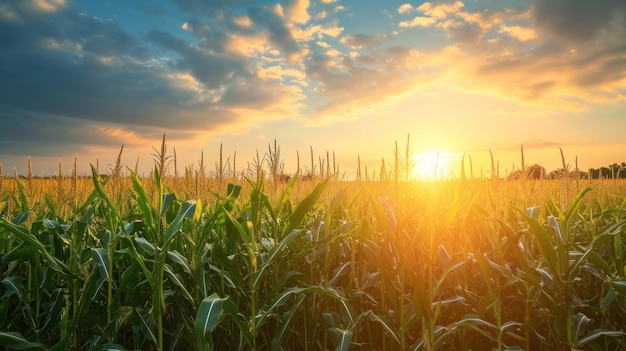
{"points": [[81, 78]]}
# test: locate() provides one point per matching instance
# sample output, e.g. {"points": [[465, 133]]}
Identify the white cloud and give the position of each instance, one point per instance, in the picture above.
{"points": [[418, 21], [243, 21], [440, 10], [519, 33], [298, 11], [405, 8]]}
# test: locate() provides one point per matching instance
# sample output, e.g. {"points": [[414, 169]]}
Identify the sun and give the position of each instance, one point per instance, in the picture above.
{"points": [[432, 165]]}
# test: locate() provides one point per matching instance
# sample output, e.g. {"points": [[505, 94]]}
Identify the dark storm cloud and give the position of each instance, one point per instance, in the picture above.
{"points": [[579, 20]]}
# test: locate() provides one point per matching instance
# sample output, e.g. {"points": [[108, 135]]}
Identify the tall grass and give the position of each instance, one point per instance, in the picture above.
{"points": [[223, 261]]}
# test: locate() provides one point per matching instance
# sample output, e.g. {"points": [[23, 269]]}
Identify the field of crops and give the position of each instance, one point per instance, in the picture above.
{"points": [[203, 263]]}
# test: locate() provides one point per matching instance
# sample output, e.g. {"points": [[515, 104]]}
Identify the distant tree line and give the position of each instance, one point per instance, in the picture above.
{"points": [[613, 171]]}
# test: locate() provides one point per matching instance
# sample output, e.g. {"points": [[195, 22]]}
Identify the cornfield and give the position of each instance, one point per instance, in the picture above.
{"points": [[311, 263]]}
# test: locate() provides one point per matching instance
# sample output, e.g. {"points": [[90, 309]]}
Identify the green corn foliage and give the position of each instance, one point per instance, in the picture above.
{"points": [[310, 265]]}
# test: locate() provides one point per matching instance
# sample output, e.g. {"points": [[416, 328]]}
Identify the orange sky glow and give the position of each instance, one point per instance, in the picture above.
{"points": [[337, 76]]}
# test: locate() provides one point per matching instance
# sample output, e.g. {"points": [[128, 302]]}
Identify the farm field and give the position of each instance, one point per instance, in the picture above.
{"points": [[123, 262], [500, 225]]}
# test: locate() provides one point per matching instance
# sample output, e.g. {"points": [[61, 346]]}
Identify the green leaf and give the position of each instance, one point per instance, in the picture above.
{"points": [[594, 334], [21, 218], [608, 298], [146, 245], [233, 190], [111, 347], [13, 286], [180, 259], [23, 203], [297, 217], [97, 182], [376, 318], [232, 309], [275, 252], [143, 202], [285, 196], [574, 206], [619, 286], [15, 341], [50, 224], [473, 321], [508, 325], [168, 199], [208, 316], [285, 322], [580, 324], [545, 245], [187, 210], [175, 278], [101, 259], [340, 337], [22, 233], [146, 326]]}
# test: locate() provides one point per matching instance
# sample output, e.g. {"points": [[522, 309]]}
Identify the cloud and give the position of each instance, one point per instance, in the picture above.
{"points": [[48, 5], [518, 32], [418, 21], [440, 11], [74, 78], [227, 63], [298, 11], [279, 33], [463, 32], [353, 84], [405, 8], [359, 41], [580, 20], [61, 135]]}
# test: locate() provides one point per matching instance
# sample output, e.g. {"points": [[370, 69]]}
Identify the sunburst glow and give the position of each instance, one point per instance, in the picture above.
{"points": [[435, 165]]}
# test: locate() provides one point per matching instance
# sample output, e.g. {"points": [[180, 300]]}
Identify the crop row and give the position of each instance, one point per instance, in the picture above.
{"points": [[467, 264]]}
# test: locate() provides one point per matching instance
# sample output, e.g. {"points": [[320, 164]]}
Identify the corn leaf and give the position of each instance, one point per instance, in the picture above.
{"points": [[13, 286], [22, 233], [545, 245], [594, 334], [277, 341], [341, 337], [143, 201], [208, 315], [15, 341], [296, 218], [101, 259], [187, 210]]}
